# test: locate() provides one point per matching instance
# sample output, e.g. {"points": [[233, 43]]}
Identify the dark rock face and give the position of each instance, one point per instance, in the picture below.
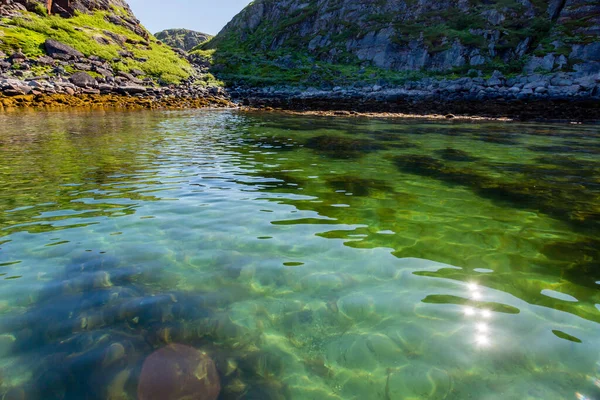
{"points": [[178, 372], [55, 48], [442, 35], [62, 7], [183, 39], [9, 8]]}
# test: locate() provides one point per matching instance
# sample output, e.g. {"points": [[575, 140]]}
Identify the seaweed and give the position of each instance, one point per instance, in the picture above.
{"points": [[275, 143], [497, 138], [582, 258], [567, 149], [450, 154], [535, 192], [420, 165], [342, 147], [358, 186]]}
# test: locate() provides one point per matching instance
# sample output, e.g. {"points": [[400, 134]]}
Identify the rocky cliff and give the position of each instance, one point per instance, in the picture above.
{"points": [[183, 39], [103, 37], [93, 52], [442, 36], [67, 8]]}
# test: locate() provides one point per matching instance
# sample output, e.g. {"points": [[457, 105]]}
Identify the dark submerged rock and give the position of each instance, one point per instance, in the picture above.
{"points": [[450, 154], [358, 186], [422, 165], [178, 372], [342, 147]]}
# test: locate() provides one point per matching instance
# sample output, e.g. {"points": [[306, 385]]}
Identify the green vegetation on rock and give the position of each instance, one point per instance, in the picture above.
{"points": [[183, 39], [93, 34], [336, 42]]}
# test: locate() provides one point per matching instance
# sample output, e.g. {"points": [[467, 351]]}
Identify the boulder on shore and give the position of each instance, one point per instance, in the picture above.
{"points": [[56, 48], [83, 79]]}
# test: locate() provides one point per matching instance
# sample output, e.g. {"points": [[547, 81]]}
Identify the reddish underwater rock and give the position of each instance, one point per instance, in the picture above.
{"points": [[178, 372]]}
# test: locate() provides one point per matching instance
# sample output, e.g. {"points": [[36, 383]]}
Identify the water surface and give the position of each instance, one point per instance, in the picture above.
{"points": [[311, 258]]}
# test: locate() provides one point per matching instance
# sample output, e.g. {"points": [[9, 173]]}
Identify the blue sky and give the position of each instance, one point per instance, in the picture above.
{"points": [[199, 15]]}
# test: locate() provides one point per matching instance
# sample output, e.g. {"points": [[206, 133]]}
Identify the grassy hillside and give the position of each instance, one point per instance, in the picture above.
{"points": [[93, 34]]}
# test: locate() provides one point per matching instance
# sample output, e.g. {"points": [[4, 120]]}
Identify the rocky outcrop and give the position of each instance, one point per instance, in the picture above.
{"points": [[67, 71], [16, 76], [64, 8], [424, 35], [103, 32], [183, 39], [56, 49], [9, 8]]}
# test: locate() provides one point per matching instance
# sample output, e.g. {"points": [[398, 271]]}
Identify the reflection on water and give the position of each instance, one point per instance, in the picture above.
{"points": [[251, 256]]}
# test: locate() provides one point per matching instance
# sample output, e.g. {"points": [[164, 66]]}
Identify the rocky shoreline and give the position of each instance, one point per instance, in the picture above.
{"points": [[74, 80], [93, 101], [81, 90], [560, 96]]}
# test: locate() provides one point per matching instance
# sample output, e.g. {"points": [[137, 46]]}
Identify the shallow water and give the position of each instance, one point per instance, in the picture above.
{"points": [[311, 258]]}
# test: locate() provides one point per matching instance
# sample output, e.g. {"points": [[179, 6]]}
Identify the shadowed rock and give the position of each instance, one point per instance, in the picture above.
{"points": [[54, 47]]}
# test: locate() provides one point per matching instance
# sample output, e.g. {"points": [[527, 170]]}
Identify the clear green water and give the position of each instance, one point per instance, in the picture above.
{"points": [[312, 258]]}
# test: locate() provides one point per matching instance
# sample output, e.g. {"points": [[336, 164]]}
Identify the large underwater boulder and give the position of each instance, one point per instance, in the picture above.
{"points": [[178, 372]]}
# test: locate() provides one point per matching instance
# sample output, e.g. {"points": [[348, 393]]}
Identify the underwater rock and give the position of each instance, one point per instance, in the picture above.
{"points": [[358, 186], [113, 353], [357, 306], [264, 364], [536, 191], [418, 381], [325, 281], [421, 165], [498, 138], [116, 389], [87, 281], [6, 344], [275, 143], [15, 394], [178, 372], [342, 147], [90, 262], [450, 154]]}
